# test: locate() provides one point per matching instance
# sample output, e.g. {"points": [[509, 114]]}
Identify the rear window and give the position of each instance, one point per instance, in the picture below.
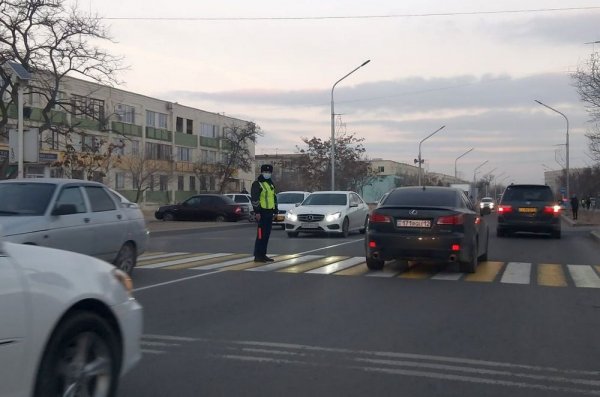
{"points": [[419, 198], [527, 193], [290, 198]]}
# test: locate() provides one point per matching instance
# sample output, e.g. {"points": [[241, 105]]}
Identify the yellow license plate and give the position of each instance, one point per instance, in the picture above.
{"points": [[528, 210]]}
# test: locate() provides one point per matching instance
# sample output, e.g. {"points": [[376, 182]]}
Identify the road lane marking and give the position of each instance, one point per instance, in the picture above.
{"points": [[485, 272], [313, 264], [184, 260], [330, 246], [283, 264], [170, 338], [584, 276], [161, 260], [447, 276], [150, 351], [225, 264], [206, 261], [386, 272], [517, 273], [335, 267], [550, 275], [179, 280], [250, 264], [158, 255], [358, 270]]}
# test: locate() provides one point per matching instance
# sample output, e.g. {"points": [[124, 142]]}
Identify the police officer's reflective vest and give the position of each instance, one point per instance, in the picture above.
{"points": [[267, 196]]}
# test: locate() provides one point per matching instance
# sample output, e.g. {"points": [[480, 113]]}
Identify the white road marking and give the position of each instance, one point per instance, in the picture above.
{"points": [[170, 338], [158, 344], [150, 351], [447, 276], [179, 280], [330, 246], [159, 256], [517, 273], [584, 276], [283, 264], [226, 263], [334, 267], [182, 261], [384, 274]]}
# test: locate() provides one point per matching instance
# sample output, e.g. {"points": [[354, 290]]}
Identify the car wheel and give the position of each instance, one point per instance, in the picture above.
{"points": [[374, 264], [126, 258], [364, 228], [470, 265], [168, 217], [82, 358], [345, 227], [220, 218], [292, 234]]}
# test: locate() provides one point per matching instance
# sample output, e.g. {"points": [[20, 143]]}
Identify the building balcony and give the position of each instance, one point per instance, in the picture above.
{"points": [[158, 133], [209, 142], [126, 129], [187, 140]]}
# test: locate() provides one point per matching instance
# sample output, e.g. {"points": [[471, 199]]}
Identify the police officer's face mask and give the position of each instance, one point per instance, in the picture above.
{"points": [[266, 175]]}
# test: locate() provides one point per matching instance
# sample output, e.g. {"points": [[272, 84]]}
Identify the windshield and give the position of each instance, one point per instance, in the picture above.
{"points": [[486, 200], [326, 199], [25, 198], [290, 198]]}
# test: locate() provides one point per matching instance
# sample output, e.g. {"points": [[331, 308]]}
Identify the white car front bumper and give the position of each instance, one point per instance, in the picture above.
{"points": [[130, 318]]}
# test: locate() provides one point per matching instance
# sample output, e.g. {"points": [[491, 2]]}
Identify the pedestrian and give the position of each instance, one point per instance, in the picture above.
{"points": [[264, 201], [588, 203], [244, 191], [574, 206]]}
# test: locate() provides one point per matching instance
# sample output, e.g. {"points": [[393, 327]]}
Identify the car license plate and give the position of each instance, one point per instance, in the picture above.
{"points": [[413, 223], [528, 210], [309, 225]]}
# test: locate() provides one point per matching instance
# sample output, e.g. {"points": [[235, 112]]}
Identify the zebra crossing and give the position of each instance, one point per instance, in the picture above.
{"points": [[518, 273]]}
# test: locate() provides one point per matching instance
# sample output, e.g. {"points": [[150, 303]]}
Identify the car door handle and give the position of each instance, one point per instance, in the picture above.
{"points": [[119, 216], [86, 220]]}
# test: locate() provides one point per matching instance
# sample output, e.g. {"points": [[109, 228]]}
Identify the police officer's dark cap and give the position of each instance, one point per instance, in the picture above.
{"points": [[266, 168]]}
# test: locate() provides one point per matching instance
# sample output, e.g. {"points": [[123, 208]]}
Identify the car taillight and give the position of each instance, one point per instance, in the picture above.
{"points": [[379, 218], [237, 210], [552, 209], [503, 209], [451, 220]]}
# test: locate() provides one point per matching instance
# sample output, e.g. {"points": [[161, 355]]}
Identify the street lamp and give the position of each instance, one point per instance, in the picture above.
{"points": [[419, 160], [477, 168], [464, 154], [21, 77], [488, 182], [333, 125], [566, 144]]}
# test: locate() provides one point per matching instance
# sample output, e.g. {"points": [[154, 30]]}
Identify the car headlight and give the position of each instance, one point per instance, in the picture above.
{"points": [[491, 205], [291, 216], [481, 205], [333, 217], [124, 279]]}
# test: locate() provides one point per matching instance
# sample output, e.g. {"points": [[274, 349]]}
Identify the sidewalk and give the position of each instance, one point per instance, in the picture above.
{"points": [[159, 227], [585, 218]]}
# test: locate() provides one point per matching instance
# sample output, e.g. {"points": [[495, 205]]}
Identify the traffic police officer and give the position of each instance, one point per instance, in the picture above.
{"points": [[264, 201]]}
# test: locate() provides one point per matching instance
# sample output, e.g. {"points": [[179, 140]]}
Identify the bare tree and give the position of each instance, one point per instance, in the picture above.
{"points": [[142, 171], [587, 82], [91, 160], [352, 169], [55, 41], [235, 146]]}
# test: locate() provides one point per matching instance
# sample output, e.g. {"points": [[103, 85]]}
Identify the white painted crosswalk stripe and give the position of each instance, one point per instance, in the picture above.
{"points": [[584, 276], [447, 276], [283, 264], [182, 261], [517, 273], [334, 267], [220, 265], [160, 256]]}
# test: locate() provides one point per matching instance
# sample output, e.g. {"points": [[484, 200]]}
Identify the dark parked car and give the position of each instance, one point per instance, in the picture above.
{"points": [[528, 208], [213, 207], [426, 224]]}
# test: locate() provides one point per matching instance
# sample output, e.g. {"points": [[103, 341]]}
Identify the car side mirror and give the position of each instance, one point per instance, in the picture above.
{"points": [[65, 209], [353, 205]]}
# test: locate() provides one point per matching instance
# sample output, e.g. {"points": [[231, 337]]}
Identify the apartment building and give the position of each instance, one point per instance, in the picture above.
{"points": [[174, 136]]}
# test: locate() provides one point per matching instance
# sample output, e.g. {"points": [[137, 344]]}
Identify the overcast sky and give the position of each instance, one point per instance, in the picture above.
{"points": [[469, 65]]}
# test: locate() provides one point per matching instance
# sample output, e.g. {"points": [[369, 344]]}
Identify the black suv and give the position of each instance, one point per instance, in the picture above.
{"points": [[528, 208]]}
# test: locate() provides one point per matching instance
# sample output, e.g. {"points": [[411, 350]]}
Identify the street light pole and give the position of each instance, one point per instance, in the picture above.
{"points": [[333, 125], [566, 144], [477, 168], [464, 154], [420, 161]]}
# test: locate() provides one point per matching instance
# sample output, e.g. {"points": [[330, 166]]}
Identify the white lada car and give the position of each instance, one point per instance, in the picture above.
{"points": [[339, 212]]}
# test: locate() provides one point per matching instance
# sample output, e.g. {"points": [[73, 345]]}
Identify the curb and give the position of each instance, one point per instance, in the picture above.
{"points": [[595, 235]]}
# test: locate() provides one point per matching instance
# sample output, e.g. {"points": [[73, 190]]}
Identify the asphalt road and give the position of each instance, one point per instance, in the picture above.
{"points": [[525, 324]]}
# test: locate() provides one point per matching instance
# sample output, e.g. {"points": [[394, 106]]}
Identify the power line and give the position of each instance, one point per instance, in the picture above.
{"points": [[383, 16]]}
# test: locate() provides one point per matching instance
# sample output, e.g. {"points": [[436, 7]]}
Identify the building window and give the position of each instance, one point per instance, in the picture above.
{"points": [[193, 183], [209, 130], [180, 186], [59, 101], [203, 156], [203, 186], [189, 126], [157, 151], [184, 153], [120, 180], [212, 157], [87, 108], [150, 118], [179, 124], [164, 183], [135, 148], [211, 182], [381, 168], [162, 121], [125, 113], [89, 143], [151, 184], [136, 182]]}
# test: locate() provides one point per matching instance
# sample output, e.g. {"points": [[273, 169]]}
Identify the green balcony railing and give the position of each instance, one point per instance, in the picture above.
{"points": [[160, 134], [85, 124], [186, 140], [126, 129], [209, 142]]}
